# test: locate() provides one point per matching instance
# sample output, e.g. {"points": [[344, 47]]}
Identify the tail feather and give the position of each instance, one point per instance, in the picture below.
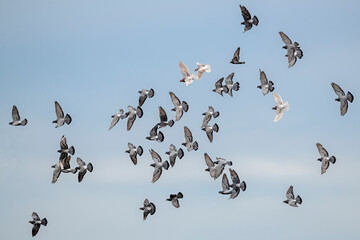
{"points": [[215, 127], [24, 122], [243, 186], [139, 112], [68, 119], [298, 199], [151, 93], [180, 195], [349, 97], [160, 136], [255, 20], [153, 208], [166, 165], [90, 167], [332, 159], [139, 150], [195, 145], [180, 153], [72, 150], [229, 163], [208, 68], [216, 114], [44, 221], [171, 123], [185, 106], [236, 86]]}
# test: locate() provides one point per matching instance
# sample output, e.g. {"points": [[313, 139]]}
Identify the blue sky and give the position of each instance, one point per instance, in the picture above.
{"points": [[93, 56]]}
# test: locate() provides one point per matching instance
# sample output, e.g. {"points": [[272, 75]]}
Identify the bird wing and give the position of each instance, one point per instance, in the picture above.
{"points": [[184, 70], [209, 133], [218, 83], [156, 174], [58, 110], [81, 174], [114, 121], [131, 146], [290, 193], [179, 113], [163, 116], [235, 192], [234, 176], [63, 144], [278, 99], [285, 38], [337, 90], [225, 183], [35, 229], [263, 78], [80, 162], [188, 135], [208, 160], [218, 170], [15, 114], [206, 120], [155, 156], [343, 107], [175, 202], [153, 131], [146, 203], [278, 116], [142, 98], [174, 99], [65, 162], [245, 13], [228, 80], [56, 173], [322, 150], [131, 120], [236, 55], [324, 166], [133, 157], [35, 217]]}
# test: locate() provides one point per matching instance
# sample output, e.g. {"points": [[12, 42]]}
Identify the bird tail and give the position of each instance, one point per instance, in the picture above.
{"points": [[171, 123], [271, 86], [195, 145], [151, 93], [153, 208], [166, 165], [349, 97], [216, 114], [215, 127], [24, 122], [180, 153], [298, 199], [72, 150], [68, 119], [139, 112], [207, 68], [236, 86], [286, 106], [160, 136], [229, 163], [185, 106], [90, 167], [243, 186], [180, 195], [44, 221], [332, 159], [255, 20], [139, 150]]}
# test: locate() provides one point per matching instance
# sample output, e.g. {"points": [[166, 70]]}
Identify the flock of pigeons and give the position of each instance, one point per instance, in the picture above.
{"points": [[215, 168]]}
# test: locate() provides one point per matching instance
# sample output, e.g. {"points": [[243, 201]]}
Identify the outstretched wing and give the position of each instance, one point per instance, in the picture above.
{"points": [[337, 90], [208, 160], [15, 114], [163, 116], [285, 38], [188, 135], [290, 193], [58, 110], [322, 150], [278, 99], [155, 156], [184, 70], [245, 13]]}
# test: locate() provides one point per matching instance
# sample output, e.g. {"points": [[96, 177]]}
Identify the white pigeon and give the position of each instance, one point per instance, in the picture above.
{"points": [[280, 107], [188, 78], [201, 69]]}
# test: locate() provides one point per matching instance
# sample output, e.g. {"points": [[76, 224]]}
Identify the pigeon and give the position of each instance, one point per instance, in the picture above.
{"points": [[155, 135], [37, 223], [225, 185], [214, 171], [230, 85], [236, 185], [280, 107], [116, 117], [133, 152], [145, 94], [60, 119], [293, 49], [209, 130], [173, 153], [219, 88], [189, 144], [158, 165], [83, 168], [325, 159], [266, 86], [188, 78], [164, 119], [248, 21], [201, 69], [210, 113], [132, 115], [64, 147], [342, 98], [16, 118], [174, 198], [291, 200], [179, 107], [149, 207], [63, 166], [235, 59]]}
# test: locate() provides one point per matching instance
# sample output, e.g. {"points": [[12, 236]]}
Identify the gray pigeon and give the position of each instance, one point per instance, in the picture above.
{"points": [[248, 21], [149, 207], [210, 113], [342, 98], [174, 198], [235, 59], [225, 185], [64, 147], [16, 118], [37, 223], [60, 119], [63, 166], [219, 88], [236, 185], [189, 142], [209, 130], [325, 159], [293, 49], [291, 200], [145, 94], [164, 119], [214, 170], [83, 168], [266, 86], [133, 152], [179, 107], [158, 165], [117, 117], [132, 113], [230, 85], [155, 135], [173, 153]]}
